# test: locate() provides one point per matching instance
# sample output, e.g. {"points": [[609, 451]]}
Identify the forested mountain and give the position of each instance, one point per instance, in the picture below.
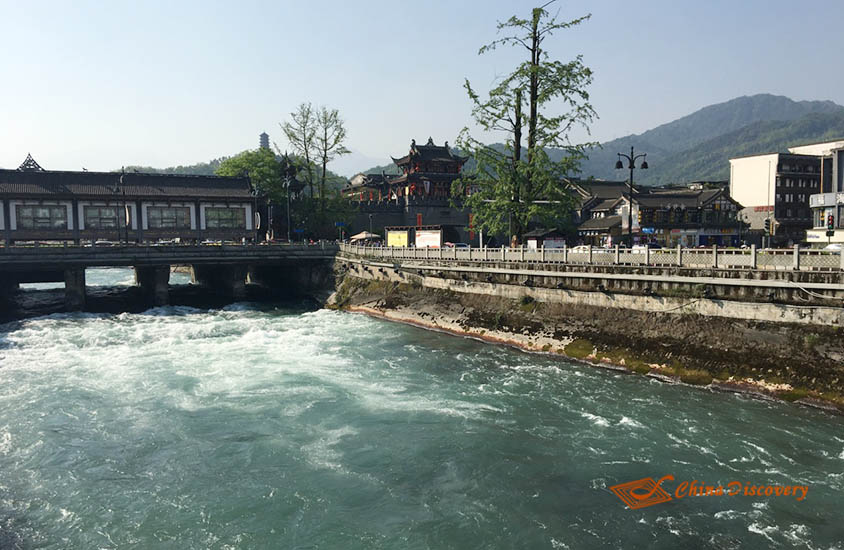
{"points": [[332, 180], [198, 169], [710, 159], [699, 145]]}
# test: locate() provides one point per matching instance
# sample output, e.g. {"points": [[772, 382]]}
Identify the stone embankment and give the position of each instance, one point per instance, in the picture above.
{"points": [[789, 359]]}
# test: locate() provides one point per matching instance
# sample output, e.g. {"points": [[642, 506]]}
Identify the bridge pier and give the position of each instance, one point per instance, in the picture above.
{"points": [[227, 279], [155, 282], [74, 289], [8, 285]]}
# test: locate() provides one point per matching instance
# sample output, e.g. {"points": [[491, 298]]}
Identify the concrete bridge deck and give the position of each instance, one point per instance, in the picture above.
{"points": [[40, 258], [226, 267]]}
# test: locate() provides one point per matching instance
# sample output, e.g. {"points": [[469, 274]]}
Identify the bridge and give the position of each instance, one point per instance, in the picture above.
{"points": [[225, 267]]}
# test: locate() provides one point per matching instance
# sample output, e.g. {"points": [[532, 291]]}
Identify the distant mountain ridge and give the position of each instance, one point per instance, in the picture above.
{"points": [[698, 146], [678, 150]]}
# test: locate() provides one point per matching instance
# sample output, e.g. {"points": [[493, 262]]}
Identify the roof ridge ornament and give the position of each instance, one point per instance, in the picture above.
{"points": [[430, 141], [29, 165]]}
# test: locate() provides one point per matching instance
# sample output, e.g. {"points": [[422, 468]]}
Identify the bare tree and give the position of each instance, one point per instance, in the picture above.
{"points": [[330, 135], [301, 133]]}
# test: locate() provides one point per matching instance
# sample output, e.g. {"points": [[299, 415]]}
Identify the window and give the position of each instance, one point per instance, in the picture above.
{"points": [[225, 218], [101, 217], [41, 217], [169, 217]]}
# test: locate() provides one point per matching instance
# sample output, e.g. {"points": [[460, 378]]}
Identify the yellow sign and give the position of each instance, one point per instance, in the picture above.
{"points": [[396, 238]]}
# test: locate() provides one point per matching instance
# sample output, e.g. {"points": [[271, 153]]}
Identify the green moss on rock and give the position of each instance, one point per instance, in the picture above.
{"points": [[579, 349]]}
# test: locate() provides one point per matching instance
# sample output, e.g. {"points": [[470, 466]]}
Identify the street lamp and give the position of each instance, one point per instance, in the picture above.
{"points": [[290, 175], [631, 163], [121, 190], [370, 223]]}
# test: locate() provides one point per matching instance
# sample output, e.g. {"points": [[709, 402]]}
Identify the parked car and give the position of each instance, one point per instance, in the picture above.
{"points": [[834, 246], [640, 248], [455, 245]]}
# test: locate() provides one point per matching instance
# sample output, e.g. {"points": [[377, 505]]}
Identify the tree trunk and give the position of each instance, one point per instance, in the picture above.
{"points": [[517, 156], [533, 93]]}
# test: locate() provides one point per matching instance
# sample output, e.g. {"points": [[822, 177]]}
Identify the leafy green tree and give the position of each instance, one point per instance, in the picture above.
{"points": [[264, 168], [301, 132], [516, 184], [328, 143]]}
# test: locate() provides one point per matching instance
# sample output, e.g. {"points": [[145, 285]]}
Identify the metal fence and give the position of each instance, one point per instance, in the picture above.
{"points": [[728, 258]]}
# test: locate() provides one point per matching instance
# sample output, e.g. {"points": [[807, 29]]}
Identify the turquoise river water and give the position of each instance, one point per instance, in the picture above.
{"points": [[275, 426]]}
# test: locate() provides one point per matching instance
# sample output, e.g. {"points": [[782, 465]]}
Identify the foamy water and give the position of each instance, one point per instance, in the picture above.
{"points": [[253, 427]]}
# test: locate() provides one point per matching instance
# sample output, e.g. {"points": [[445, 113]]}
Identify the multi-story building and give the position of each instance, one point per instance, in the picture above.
{"points": [[827, 205], [774, 189]]}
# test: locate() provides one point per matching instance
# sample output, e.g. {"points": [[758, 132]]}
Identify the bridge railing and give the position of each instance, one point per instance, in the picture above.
{"points": [[728, 258]]}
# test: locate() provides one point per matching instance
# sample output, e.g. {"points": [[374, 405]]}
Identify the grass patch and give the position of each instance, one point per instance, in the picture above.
{"points": [[527, 304], [546, 347], [695, 377], [723, 375], [639, 367], [793, 395], [811, 340], [579, 349]]}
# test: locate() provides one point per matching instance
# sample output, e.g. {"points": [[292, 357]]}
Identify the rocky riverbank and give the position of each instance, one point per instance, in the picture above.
{"points": [[798, 363]]}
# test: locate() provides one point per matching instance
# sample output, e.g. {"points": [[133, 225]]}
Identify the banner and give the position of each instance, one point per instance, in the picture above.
{"points": [[428, 238], [397, 238]]}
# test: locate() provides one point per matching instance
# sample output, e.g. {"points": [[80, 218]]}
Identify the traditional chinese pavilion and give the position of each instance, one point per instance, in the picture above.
{"points": [[427, 173]]}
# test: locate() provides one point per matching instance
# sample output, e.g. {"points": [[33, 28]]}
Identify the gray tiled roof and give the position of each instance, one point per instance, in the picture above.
{"points": [[52, 183], [607, 222]]}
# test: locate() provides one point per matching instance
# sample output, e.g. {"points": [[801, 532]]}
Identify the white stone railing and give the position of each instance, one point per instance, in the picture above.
{"points": [[739, 258]]}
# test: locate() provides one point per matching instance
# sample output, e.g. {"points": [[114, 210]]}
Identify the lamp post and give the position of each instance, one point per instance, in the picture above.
{"points": [[370, 223], [631, 163], [121, 190], [290, 175]]}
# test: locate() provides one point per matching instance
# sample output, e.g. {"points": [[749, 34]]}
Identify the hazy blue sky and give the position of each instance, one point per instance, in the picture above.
{"points": [[110, 83]]}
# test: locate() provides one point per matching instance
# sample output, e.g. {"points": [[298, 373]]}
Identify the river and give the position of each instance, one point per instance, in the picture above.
{"points": [[277, 426]]}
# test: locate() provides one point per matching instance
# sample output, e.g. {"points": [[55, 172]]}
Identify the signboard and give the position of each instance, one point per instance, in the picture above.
{"points": [[397, 238], [554, 243], [830, 233], [339, 224], [648, 230], [428, 238]]}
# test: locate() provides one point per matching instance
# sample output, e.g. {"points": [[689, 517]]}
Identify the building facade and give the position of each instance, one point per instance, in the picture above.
{"points": [[774, 189], [41, 205], [827, 205], [419, 195], [698, 214]]}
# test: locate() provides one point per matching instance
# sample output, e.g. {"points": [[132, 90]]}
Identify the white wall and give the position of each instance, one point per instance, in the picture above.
{"points": [[817, 149], [753, 179]]}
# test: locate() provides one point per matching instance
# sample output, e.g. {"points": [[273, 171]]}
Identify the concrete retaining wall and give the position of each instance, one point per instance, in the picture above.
{"points": [[624, 293]]}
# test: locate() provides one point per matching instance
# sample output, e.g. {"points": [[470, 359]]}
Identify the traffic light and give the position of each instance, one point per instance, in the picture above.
{"points": [[830, 222], [768, 226]]}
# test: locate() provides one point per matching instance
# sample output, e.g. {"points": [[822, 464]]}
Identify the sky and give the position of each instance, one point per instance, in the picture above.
{"points": [[101, 85]]}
